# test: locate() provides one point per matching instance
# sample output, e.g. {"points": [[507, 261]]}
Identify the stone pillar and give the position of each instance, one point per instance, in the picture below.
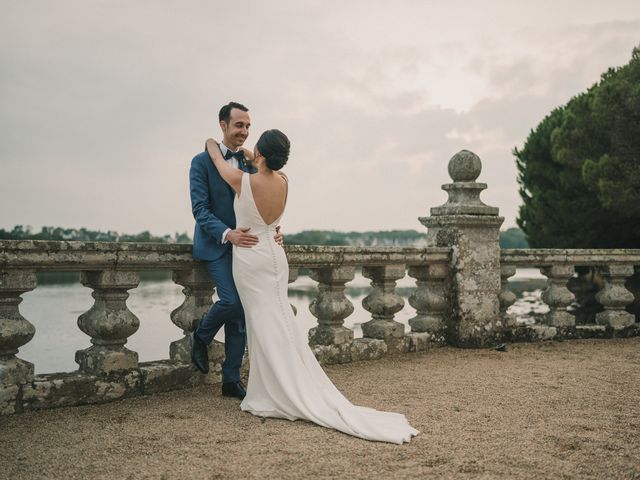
{"points": [[15, 330], [331, 306], [472, 230], [557, 296], [614, 297], [198, 292], [383, 302], [506, 297], [429, 298], [108, 322]]}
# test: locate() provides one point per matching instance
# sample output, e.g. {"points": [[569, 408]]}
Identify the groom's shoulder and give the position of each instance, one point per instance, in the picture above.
{"points": [[200, 158]]}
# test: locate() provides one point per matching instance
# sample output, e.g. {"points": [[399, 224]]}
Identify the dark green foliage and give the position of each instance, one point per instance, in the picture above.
{"points": [[513, 238], [579, 170]]}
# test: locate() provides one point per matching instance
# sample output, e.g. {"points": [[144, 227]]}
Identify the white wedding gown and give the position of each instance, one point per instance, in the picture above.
{"points": [[285, 379]]}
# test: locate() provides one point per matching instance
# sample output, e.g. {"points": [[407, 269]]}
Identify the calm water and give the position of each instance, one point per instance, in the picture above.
{"points": [[54, 310]]}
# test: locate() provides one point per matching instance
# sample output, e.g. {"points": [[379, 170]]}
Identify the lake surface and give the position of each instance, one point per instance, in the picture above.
{"points": [[54, 310]]}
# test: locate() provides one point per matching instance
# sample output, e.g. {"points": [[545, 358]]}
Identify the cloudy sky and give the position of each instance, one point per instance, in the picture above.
{"points": [[104, 103]]}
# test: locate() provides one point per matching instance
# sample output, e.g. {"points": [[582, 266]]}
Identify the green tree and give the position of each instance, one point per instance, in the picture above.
{"points": [[182, 238], [579, 170], [513, 238]]}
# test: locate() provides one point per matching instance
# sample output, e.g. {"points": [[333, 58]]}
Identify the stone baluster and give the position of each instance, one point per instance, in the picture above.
{"points": [[198, 292], [108, 322], [383, 302], [614, 297], [331, 306], [506, 296], [293, 276], [557, 296], [15, 331], [429, 298]]}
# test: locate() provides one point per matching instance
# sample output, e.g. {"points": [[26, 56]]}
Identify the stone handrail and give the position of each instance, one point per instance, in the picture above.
{"points": [[541, 257], [45, 255]]}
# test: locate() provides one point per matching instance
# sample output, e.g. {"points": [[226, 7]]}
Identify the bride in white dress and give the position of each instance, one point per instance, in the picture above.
{"points": [[285, 379]]}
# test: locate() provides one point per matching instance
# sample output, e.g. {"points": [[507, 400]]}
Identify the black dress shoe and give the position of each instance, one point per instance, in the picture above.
{"points": [[234, 389], [199, 353]]}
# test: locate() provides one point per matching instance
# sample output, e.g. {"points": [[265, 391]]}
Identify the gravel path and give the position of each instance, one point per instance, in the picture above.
{"points": [[550, 410]]}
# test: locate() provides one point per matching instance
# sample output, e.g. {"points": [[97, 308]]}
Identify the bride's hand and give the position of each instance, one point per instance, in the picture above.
{"points": [[212, 147], [248, 154], [279, 238]]}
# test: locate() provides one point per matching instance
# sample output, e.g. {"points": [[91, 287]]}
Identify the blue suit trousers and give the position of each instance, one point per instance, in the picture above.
{"points": [[226, 311]]}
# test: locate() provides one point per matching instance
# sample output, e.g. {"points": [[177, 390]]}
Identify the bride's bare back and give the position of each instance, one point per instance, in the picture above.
{"points": [[270, 194]]}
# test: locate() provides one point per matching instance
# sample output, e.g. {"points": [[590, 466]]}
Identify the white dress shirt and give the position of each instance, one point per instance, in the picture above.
{"points": [[233, 161]]}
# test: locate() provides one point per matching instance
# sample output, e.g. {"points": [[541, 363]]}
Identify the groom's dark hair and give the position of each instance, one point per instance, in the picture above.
{"points": [[225, 112]]}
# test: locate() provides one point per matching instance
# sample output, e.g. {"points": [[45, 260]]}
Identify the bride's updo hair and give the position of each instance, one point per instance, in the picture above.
{"points": [[274, 147]]}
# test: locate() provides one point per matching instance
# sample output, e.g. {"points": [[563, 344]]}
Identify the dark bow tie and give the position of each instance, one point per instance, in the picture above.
{"points": [[239, 155]]}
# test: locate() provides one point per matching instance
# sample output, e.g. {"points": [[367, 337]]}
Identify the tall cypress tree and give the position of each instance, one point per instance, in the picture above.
{"points": [[579, 170]]}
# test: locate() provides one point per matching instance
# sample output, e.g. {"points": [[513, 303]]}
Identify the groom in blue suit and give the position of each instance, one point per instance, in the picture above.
{"points": [[215, 232]]}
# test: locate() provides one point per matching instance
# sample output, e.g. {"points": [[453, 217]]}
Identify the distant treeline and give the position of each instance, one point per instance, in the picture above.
{"points": [[21, 232], [401, 238], [510, 238]]}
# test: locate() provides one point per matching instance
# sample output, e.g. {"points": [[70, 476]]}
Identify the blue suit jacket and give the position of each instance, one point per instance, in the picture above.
{"points": [[212, 207]]}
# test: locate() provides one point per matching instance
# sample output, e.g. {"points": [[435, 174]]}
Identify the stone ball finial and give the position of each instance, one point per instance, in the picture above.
{"points": [[465, 166]]}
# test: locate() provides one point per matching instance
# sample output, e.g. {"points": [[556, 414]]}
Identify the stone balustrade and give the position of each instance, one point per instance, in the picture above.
{"points": [[615, 267], [461, 297], [108, 370]]}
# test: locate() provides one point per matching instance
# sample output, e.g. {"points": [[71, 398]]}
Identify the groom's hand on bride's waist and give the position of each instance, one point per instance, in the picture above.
{"points": [[241, 237], [278, 237]]}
